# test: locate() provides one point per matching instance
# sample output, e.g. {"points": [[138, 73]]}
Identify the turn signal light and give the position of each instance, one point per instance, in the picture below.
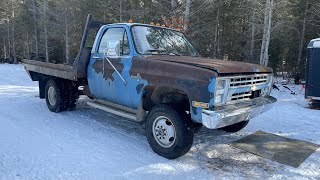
{"points": [[200, 104]]}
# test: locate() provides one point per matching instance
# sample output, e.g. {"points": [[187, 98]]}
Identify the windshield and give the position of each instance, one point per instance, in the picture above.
{"points": [[156, 40]]}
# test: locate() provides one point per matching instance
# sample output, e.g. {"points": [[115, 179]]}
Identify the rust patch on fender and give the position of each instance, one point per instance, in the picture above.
{"points": [[192, 80]]}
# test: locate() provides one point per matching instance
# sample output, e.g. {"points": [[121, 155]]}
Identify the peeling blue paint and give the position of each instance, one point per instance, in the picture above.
{"points": [[116, 90], [211, 89], [130, 87], [196, 114]]}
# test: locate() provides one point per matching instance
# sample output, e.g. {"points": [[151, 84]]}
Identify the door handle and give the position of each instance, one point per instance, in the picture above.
{"points": [[96, 57]]}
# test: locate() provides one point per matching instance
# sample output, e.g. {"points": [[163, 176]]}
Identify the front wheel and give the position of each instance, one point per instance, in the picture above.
{"points": [[168, 132], [235, 127]]}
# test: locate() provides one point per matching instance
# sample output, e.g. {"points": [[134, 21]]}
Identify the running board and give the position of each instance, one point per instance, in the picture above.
{"points": [[113, 110]]}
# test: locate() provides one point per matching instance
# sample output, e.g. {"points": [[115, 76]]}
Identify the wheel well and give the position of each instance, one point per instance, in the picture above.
{"points": [[165, 95], [42, 86]]}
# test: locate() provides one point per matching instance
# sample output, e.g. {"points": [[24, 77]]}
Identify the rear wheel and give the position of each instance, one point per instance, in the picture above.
{"points": [[169, 133], [235, 127], [72, 95], [54, 96]]}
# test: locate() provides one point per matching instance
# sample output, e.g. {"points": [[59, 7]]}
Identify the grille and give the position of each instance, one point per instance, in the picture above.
{"points": [[240, 96], [248, 81], [243, 87]]}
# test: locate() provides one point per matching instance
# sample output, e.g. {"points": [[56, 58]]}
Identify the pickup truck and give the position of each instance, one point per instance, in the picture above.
{"points": [[153, 75]]}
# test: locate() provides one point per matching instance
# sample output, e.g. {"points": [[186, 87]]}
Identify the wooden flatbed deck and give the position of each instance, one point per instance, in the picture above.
{"points": [[63, 71]]}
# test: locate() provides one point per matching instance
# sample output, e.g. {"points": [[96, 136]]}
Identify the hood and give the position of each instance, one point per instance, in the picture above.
{"points": [[220, 66]]}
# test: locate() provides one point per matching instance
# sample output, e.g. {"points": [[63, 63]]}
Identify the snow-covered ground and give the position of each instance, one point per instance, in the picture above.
{"points": [[90, 144]]}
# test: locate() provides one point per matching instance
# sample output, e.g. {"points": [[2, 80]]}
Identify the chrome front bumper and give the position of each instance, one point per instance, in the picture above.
{"points": [[234, 113]]}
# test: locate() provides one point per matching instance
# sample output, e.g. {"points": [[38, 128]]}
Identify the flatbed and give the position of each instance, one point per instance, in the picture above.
{"points": [[56, 70]]}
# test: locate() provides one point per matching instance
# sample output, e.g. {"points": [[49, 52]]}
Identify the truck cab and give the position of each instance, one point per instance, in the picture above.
{"points": [[153, 75]]}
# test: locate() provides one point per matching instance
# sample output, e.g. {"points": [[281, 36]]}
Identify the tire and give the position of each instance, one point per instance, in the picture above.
{"points": [[65, 95], [72, 95], [235, 127], [54, 95], [169, 134]]}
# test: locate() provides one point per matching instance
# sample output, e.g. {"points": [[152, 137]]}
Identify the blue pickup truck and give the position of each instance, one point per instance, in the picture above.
{"points": [[153, 75]]}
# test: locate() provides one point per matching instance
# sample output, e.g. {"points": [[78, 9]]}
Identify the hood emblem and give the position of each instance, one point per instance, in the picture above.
{"points": [[253, 88]]}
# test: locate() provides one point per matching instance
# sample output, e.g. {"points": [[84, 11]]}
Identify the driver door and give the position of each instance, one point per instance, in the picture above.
{"points": [[110, 64]]}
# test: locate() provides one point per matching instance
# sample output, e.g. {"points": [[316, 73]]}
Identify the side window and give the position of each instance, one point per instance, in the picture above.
{"points": [[113, 35]]}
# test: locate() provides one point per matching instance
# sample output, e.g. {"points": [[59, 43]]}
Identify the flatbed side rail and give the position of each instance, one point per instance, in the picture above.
{"points": [[56, 70]]}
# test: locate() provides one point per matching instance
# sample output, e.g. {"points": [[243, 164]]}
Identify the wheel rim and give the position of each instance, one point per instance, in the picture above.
{"points": [[164, 131], [52, 95]]}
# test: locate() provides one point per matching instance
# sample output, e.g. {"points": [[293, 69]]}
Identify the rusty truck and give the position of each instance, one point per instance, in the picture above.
{"points": [[153, 75]]}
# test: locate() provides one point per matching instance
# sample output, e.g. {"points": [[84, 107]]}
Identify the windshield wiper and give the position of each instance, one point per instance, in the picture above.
{"points": [[155, 50], [173, 53], [163, 52]]}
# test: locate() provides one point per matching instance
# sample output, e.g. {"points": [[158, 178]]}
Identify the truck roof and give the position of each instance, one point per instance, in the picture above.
{"points": [[140, 24]]}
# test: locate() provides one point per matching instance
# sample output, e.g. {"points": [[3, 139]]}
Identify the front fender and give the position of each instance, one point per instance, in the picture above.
{"points": [[198, 83]]}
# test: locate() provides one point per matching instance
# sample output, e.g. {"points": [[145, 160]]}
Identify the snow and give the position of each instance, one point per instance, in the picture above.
{"points": [[90, 144]]}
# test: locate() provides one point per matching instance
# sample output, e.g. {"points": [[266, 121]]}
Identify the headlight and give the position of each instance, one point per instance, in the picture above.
{"points": [[221, 84], [220, 91]]}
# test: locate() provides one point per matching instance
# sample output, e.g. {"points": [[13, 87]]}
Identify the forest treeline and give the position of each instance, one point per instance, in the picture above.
{"points": [[268, 32]]}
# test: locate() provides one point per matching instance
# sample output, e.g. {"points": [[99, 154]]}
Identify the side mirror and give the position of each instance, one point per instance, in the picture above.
{"points": [[113, 49]]}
